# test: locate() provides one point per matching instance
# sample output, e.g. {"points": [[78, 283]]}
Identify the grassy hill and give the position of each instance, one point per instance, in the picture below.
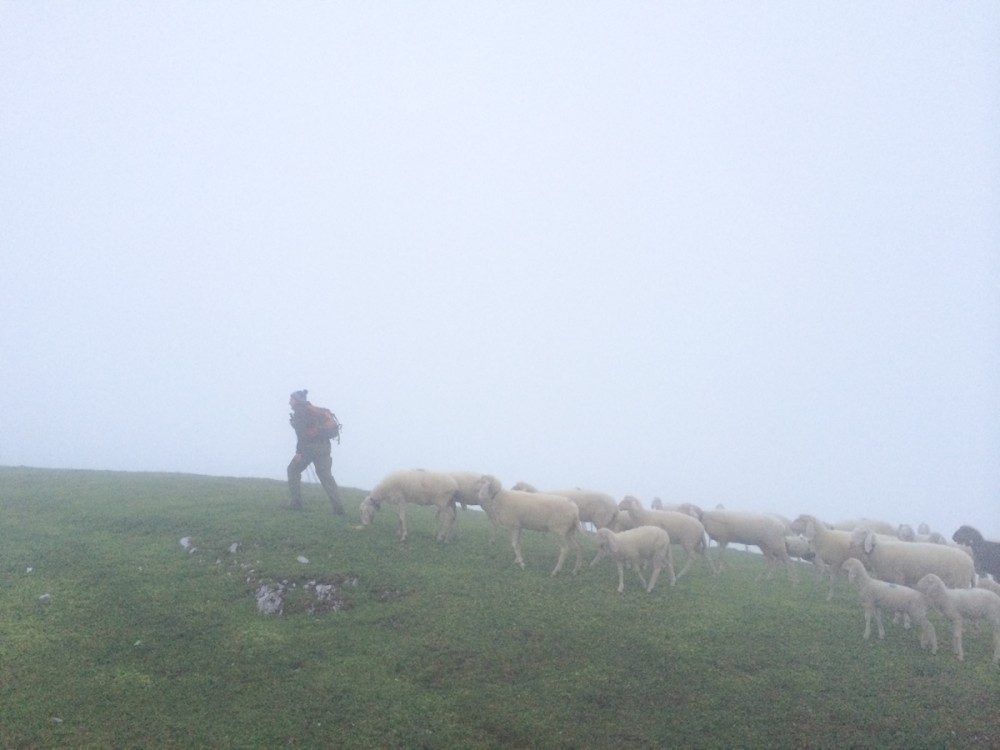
{"points": [[144, 643]]}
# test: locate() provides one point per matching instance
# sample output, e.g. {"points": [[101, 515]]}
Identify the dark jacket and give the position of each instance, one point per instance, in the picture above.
{"points": [[306, 421]]}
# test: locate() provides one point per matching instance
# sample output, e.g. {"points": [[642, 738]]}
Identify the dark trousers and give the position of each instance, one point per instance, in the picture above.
{"points": [[318, 455]]}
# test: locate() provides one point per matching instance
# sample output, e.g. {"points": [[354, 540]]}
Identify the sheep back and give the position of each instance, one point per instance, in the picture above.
{"points": [[908, 562], [415, 486]]}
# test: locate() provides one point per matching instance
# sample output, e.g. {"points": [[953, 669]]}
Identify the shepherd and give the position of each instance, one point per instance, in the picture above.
{"points": [[314, 428]]}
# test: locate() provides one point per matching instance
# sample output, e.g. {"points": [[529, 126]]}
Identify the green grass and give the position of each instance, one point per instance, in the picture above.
{"points": [[145, 645]]}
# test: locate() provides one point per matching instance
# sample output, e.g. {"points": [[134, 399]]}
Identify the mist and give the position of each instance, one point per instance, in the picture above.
{"points": [[712, 253]]}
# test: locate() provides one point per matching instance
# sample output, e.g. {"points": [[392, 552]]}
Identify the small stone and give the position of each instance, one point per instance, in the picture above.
{"points": [[29, 570], [233, 547], [302, 559], [186, 542], [45, 598]]}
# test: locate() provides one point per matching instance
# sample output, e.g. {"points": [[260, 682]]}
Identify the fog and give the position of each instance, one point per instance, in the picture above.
{"points": [[738, 253]]}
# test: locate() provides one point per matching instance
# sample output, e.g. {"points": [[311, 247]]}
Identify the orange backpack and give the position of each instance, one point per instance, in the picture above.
{"points": [[329, 426]]}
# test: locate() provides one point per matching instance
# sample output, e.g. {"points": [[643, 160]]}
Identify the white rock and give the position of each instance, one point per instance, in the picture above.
{"points": [[29, 570], [270, 600], [302, 559], [45, 598], [233, 547], [186, 542]]}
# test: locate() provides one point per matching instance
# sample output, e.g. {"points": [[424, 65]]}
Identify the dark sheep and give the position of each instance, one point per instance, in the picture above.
{"points": [[985, 553]]}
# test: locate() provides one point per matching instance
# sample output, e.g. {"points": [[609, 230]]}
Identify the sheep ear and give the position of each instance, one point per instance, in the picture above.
{"points": [[869, 542]]}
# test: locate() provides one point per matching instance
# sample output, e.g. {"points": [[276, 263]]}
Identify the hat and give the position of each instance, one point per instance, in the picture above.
{"points": [[300, 395]]}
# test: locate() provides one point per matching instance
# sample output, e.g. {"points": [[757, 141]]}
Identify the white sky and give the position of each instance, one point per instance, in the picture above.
{"points": [[738, 252]]}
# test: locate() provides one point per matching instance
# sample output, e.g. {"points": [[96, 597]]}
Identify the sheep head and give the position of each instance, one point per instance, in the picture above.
{"points": [[692, 510], [524, 487], [487, 488], [931, 586], [967, 535], [606, 540], [855, 569], [905, 532], [923, 529], [629, 503], [862, 541]]}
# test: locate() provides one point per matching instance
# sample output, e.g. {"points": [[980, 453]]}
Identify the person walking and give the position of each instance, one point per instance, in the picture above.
{"points": [[314, 427]]}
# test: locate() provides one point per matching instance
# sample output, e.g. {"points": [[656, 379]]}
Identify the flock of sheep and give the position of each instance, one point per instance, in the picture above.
{"points": [[894, 569]]}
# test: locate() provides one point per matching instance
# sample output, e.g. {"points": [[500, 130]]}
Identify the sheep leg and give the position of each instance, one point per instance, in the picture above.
{"points": [[601, 554], [768, 572], [878, 620], [996, 643], [956, 639], [928, 636], [868, 623], [687, 562], [448, 522], [515, 540], [401, 531], [621, 576], [638, 571], [670, 566], [657, 566], [563, 550], [579, 552]]}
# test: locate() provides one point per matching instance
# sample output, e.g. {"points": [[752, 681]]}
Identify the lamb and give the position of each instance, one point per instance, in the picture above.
{"points": [[684, 530], [595, 507], [958, 604], [755, 529], [877, 595], [420, 488], [635, 547], [831, 546], [517, 510], [908, 562], [985, 553]]}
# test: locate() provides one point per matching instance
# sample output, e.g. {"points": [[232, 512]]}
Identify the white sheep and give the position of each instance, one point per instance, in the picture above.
{"points": [[637, 546], [755, 529], [690, 508], [517, 510], [877, 595], [418, 487], [831, 546], [624, 521], [595, 507], [989, 584], [906, 533], [959, 604], [908, 562], [872, 524], [468, 483], [684, 530]]}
